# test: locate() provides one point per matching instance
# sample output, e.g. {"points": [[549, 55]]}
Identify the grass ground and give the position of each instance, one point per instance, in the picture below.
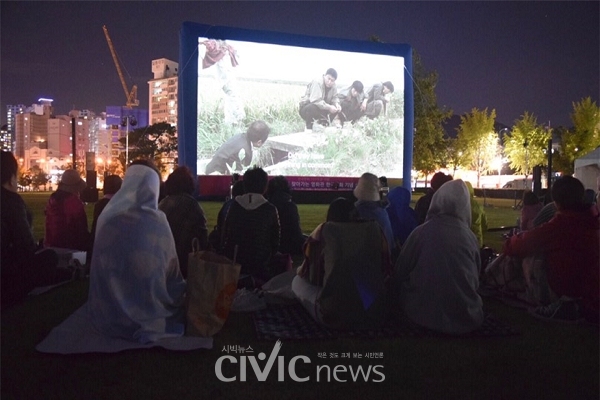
{"points": [[546, 361]]}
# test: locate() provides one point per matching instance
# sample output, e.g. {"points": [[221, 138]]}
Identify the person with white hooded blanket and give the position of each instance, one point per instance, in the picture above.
{"points": [[437, 272], [136, 288]]}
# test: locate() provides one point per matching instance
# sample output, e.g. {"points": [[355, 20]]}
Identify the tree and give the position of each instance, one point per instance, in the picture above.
{"points": [[38, 177], [157, 142], [477, 141], [526, 145], [583, 138], [429, 145]]}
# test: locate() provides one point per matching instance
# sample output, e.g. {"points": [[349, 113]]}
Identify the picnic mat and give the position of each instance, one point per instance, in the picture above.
{"points": [[76, 335], [293, 322]]}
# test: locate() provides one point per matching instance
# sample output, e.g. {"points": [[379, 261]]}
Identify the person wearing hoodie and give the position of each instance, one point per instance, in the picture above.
{"points": [[251, 230], [136, 289], [437, 271], [402, 217]]}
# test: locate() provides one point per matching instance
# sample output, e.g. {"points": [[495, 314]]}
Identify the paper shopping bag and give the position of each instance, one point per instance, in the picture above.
{"points": [[211, 284]]}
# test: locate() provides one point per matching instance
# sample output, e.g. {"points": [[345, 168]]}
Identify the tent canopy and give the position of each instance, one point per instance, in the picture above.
{"points": [[587, 169]]}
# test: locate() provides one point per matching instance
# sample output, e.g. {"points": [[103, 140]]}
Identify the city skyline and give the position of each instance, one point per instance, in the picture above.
{"points": [[538, 57]]}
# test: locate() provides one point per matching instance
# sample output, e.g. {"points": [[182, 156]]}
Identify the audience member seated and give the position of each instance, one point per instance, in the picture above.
{"points": [[185, 215], [112, 184], [422, 205], [279, 194], [369, 205], [251, 229], [66, 220], [545, 214], [569, 243], [23, 267], [478, 217], [136, 288], [437, 272], [402, 217], [215, 238], [589, 198], [531, 207], [341, 281]]}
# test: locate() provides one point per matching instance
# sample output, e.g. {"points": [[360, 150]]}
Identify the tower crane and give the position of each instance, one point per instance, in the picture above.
{"points": [[130, 95]]}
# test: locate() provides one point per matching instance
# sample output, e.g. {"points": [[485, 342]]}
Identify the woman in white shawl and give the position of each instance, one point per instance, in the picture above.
{"points": [[437, 271], [136, 288]]}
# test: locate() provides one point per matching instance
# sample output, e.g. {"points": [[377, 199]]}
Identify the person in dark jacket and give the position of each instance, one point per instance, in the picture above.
{"points": [[279, 194], [66, 220], [422, 205], [185, 215], [22, 267], [252, 226], [112, 184]]}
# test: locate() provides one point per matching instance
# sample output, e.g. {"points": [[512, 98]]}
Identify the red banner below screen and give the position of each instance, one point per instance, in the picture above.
{"points": [[218, 185]]}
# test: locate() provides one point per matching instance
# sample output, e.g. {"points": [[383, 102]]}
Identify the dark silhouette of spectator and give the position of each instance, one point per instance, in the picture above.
{"points": [[23, 267], [66, 220], [402, 217], [279, 194], [185, 215], [531, 207], [252, 227], [215, 238], [112, 184], [422, 205]]}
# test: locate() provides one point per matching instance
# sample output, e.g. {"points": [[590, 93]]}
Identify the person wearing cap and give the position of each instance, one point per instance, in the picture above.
{"points": [[66, 220], [369, 207], [351, 103], [23, 267], [320, 102], [376, 99]]}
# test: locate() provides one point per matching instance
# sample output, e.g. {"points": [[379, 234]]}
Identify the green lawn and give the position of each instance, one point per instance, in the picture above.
{"points": [[546, 361]]}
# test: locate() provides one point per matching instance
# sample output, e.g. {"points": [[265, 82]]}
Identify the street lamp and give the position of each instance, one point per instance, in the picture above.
{"points": [[127, 121]]}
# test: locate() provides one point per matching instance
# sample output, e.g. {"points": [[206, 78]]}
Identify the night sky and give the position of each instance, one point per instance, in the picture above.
{"points": [[535, 56]]}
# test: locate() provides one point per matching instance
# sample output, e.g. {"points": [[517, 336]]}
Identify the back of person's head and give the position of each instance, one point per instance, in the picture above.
{"points": [[389, 85], [148, 163], [358, 86], [567, 192], [9, 166], [529, 198], [258, 130], [255, 180], [340, 210], [112, 184], [278, 184], [438, 179], [367, 188], [331, 72], [180, 181], [237, 189], [71, 182]]}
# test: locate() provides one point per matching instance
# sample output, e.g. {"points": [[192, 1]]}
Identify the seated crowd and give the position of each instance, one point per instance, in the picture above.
{"points": [[371, 260]]}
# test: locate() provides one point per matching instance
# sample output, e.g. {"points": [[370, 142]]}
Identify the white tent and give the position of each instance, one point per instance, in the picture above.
{"points": [[587, 169]]}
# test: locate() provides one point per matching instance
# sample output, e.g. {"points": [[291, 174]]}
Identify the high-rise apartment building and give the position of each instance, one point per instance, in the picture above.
{"points": [[5, 138], [163, 92]]}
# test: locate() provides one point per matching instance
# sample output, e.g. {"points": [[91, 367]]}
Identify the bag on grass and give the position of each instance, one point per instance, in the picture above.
{"points": [[211, 284]]}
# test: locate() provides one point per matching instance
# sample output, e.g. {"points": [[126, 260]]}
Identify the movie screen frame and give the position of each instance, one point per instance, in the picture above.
{"points": [[230, 77]]}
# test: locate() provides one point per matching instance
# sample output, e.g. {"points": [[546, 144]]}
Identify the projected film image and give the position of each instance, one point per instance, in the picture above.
{"points": [[298, 111]]}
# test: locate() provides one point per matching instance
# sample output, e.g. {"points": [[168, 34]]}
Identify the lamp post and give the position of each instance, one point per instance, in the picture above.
{"points": [[126, 121]]}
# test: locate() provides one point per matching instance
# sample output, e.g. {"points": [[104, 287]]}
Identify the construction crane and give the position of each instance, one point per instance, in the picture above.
{"points": [[130, 95]]}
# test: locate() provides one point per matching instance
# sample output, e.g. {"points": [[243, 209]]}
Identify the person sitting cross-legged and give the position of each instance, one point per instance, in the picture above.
{"points": [[251, 229], [569, 245]]}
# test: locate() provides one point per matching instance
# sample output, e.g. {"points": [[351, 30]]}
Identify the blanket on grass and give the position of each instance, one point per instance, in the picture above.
{"points": [[76, 335], [293, 322]]}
